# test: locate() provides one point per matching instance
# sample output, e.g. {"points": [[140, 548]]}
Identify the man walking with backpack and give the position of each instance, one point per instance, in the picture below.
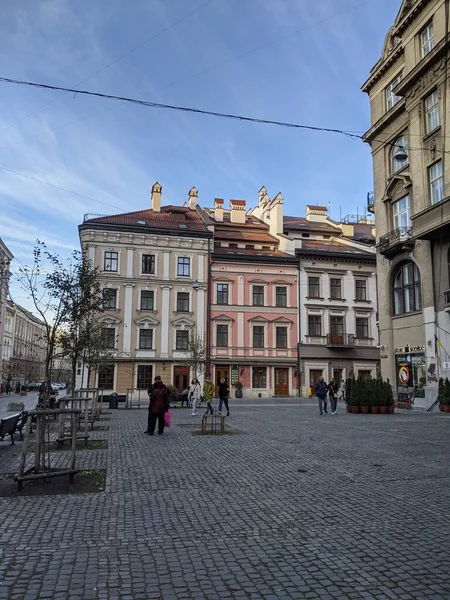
{"points": [[320, 390]]}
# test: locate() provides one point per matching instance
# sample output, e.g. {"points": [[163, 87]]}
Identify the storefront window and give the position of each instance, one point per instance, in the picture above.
{"points": [[411, 371]]}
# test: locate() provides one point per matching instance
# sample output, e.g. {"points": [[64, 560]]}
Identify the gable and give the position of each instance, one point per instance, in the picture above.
{"points": [[404, 10]]}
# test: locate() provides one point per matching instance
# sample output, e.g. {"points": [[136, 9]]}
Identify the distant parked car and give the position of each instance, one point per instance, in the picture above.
{"points": [[34, 385], [56, 385]]}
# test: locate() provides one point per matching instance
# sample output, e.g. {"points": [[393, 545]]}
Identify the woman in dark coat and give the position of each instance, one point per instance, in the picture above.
{"points": [[159, 405]]}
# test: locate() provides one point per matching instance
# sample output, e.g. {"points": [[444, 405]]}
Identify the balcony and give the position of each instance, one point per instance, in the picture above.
{"points": [[447, 301], [345, 340], [371, 202], [395, 242], [433, 223]]}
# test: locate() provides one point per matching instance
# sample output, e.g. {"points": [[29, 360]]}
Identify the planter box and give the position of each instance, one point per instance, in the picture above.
{"points": [[355, 409], [365, 410], [374, 410]]}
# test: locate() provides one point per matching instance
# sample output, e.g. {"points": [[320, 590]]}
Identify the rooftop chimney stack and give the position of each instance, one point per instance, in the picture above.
{"points": [[317, 214], [276, 215], [156, 197], [193, 195], [218, 209], [237, 213]]}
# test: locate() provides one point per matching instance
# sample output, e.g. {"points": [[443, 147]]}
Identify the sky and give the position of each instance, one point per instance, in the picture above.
{"points": [[288, 60]]}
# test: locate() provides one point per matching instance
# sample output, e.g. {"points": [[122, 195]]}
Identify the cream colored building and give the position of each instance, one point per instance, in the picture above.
{"points": [[27, 361], [154, 270], [6, 257], [408, 89]]}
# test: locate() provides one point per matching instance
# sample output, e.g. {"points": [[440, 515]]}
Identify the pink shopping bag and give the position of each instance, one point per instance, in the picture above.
{"points": [[168, 418]]}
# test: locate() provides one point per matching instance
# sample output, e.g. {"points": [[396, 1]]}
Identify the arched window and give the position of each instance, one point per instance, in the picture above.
{"points": [[400, 146], [407, 290]]}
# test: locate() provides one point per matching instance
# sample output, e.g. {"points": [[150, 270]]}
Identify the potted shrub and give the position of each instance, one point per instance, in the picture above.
{"points": [[356, 395], [238, 391], [376, 395], [447, 395], [389, 397], [348, 394], [441, 394], [366, 399]]}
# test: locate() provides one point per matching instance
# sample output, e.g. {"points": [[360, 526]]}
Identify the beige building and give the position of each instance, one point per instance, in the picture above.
{"points": [[27, 361], [408, 89], [6, 257], [154, 270]]}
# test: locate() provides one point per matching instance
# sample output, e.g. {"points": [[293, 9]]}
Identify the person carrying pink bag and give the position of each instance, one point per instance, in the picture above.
{"points": [[159, 405]]}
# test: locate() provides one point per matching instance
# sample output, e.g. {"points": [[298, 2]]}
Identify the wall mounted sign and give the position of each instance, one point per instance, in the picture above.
{"points": [[409, 349], [234, 374]]}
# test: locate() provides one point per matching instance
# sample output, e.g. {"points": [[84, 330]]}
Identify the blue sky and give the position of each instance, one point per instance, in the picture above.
{"points": [[114, 152]]}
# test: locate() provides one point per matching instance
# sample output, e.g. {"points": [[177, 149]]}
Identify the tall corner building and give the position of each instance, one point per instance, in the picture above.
{"points": [[408, 90]]}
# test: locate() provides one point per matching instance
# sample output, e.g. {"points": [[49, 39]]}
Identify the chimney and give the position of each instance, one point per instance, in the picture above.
{"points": [[237, 213], [276, 215], [193, 195], [318, 214], [156, 197], [218, 209], [262, 196], [348, 229]]}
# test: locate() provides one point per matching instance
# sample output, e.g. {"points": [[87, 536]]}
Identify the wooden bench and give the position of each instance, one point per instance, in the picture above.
{"points": [[217, 423], [8, 426]]}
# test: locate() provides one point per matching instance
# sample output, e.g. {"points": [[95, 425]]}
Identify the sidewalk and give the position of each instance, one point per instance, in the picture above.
{"points": [[290, 506]]}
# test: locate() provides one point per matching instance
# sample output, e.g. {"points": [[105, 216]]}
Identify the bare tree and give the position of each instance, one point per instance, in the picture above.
{"points": [[195, 353], [66, 295]]}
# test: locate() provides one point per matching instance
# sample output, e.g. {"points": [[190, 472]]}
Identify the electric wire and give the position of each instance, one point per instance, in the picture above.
{"points": [[113, 62], [203, 71]]}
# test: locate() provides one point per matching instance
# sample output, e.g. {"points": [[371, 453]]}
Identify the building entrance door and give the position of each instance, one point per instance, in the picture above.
{"points": [[281, 382], [337, 330], [222, 371], [314, 376], [181, 378]]}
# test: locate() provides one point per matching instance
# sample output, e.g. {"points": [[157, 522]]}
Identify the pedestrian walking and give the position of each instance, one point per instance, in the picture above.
{"points": [[208, 394], [320, 390], [159, 405], [18, 387], [224, 392], [342, 391], [195, 392], [332, 392]]}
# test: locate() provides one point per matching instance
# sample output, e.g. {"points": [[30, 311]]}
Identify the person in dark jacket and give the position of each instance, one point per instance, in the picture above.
{"points": [[320, 390], [224, 392], [159, 405], [332, 391]]}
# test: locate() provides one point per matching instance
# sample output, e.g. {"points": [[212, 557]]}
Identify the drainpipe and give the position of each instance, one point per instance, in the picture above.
{"points": [[299, 319], [208, 311]]}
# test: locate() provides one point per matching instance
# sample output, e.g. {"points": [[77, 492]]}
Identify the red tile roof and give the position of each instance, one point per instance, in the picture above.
{"points": [[317, 207], [301, 224], [241, 252], [333, 247], [170, 217], [237, 202]]}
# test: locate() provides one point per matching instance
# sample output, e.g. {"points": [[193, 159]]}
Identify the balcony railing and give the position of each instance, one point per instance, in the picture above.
{"points": [[371, 202], [344, 340], [396, 241], [447, 301]]}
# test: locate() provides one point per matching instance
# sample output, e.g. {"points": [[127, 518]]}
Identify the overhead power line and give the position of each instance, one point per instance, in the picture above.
{"points": [[349, 134], [58, 187], [113, 62], [202, 71]]}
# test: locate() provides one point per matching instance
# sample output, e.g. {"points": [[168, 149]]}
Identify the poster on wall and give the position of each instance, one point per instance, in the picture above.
{"points": [[234, 374], [404, 371]]}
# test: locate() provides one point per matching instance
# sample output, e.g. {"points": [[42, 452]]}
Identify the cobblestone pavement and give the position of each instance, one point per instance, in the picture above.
{"points": [[295, 506]]}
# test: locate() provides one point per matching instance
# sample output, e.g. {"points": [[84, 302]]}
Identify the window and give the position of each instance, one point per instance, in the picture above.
{"points": [[335, 289], [259, 377], [182, 339], [183, 301], [108, 335], [222, 336], [148, 264], [281, 337], [391, 98], [436, 178], [145, 339], [144, 377], [337, 329], [184, 266], [147, 300], [222, 293], [258, 336], [258, 295], [362, 327], [401, 215], [315, 325], [280, 296], [361, 289], [109, 299], [432, 118], [400, 143], [106, 377], [314, 287], [111, 261], [427, 40], [407, 289]]}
